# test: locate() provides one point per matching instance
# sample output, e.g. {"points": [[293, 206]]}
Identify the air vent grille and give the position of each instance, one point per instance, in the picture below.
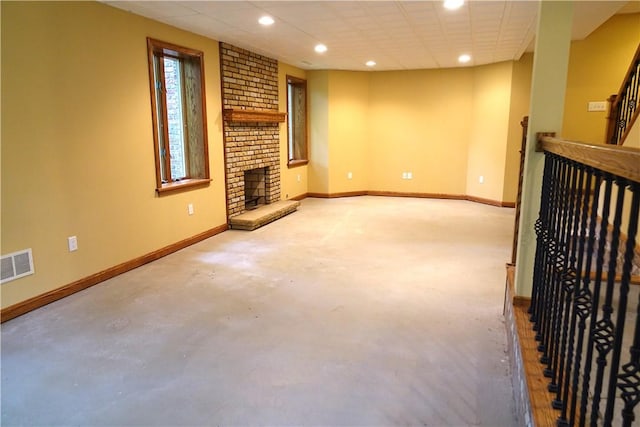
{"points": [[16, 265]]}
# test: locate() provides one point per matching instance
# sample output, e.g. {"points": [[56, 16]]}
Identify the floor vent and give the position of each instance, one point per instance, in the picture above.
{"points": [[16, 265]]}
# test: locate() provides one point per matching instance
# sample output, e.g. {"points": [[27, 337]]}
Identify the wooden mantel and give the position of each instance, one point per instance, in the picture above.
{"points": [[239, 115]]}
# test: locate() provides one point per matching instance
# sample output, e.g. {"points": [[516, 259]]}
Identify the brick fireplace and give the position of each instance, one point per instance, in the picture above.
{"points": [[251, 126]]}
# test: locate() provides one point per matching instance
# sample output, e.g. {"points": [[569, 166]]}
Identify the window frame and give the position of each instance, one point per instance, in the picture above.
{"points": [[291, 162], [158, 48]]}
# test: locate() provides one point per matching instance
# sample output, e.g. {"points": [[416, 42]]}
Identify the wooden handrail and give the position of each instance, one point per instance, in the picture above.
{"points": [[614, 159], [619, 102], [630, 71]]}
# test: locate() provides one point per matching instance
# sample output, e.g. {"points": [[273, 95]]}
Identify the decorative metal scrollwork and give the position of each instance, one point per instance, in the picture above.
{"points": [[603, 335]]}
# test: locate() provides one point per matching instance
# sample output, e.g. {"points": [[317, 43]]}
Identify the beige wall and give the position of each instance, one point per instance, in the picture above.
{"points": [[293, 181], [77, 145], [597, 67]]}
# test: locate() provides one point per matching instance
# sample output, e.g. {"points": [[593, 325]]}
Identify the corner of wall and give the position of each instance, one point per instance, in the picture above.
{"points": [[318, 168]]}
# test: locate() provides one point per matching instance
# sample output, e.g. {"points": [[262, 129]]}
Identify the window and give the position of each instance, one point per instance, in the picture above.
{"points": [[297, 121], [176, 77]]}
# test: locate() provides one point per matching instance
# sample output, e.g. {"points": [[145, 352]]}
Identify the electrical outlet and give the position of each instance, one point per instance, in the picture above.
{"points": [[72, 241], [190, 208], [481, 179], [597, 106], [298, 177], [349, 175]]}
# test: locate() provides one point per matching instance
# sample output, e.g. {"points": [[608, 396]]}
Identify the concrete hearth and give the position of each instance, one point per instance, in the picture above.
{"points": [[250, 220]]}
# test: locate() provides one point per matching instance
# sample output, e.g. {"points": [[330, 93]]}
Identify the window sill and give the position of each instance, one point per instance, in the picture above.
{"points": [[182, 185], [296, 163]]}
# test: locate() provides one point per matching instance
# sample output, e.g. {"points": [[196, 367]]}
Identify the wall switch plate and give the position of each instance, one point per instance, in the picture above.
{"points": [[349, 175], [298, 177], [409, 175], [404, 175], [72, 241], [481, 179], [190, 208], [597, 106]]}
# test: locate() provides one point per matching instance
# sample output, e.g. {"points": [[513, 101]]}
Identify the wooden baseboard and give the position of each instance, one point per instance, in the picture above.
{"points": [[335, 195], [519, 301], [299, 197], [30, 304], [417, 195], [497, 203], [491, 202]]}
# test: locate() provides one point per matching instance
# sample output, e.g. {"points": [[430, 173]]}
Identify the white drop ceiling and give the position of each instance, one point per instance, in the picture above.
{"points": [[397, 35]]}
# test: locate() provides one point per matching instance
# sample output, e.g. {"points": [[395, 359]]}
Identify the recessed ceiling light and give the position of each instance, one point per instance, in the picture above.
{"points": [[320, 48], [453, 4], [463, 59], [266, 21], [370, 63]]}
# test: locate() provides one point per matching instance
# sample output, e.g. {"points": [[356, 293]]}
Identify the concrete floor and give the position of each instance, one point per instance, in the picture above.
{"points": [[353, 311]]}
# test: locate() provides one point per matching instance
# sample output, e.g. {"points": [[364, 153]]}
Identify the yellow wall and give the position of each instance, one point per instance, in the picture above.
{"points": [[443, 126], [293, 181], [77, 145], [348, 131], [318, 169], [419, 124], [519, 108], [597, 66], [489, 128]]}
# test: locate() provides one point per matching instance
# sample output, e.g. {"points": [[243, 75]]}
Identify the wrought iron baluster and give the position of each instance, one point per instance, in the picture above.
{"points": [[629, 379], [547, 248], [555, 262], [570, 282], [622, 303], [546, 254], [540, 227], [564, 277], [601, 330], [583, 299]]}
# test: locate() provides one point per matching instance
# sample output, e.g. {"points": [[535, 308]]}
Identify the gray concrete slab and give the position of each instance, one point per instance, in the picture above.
{"points": [[355, 311]]}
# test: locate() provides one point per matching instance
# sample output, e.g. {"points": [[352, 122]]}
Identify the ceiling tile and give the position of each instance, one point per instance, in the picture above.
{"points": [[399, 34]]}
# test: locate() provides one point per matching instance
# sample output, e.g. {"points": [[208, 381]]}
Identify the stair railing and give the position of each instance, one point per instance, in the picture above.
{"points": [[581, 306], [516, 226], [623, 107]]}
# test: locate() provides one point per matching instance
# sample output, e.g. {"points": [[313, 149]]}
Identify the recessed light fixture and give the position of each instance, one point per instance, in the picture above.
{"points": [[370, 63], [320, 48], [266, 21], [464, 58], [453, 4]]}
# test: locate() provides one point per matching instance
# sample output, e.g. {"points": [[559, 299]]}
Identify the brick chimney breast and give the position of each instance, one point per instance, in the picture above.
{"points": [[249, 81]]}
